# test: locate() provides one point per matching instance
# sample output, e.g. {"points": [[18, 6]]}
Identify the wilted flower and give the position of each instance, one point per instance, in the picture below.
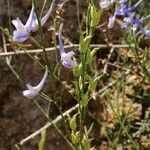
{"points": [[22, 31], [33, 91], [67, 58]]}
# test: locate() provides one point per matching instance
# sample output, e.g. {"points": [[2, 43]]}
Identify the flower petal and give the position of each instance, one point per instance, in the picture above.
{"points": [[121, 10], [29, 94], [40, 85], [18, 24], [61, 46], [134, 6], [67, 59], [111, 21], [68, 64], [67, 56], [45, 18], [31, 24], [20, 36]]}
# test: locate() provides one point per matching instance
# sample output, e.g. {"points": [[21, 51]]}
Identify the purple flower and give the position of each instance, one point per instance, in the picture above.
{"points": [[122, 10], [105, 3], [67, 58], [22, 31], [20, 34], [133, 23], [33, 91]]}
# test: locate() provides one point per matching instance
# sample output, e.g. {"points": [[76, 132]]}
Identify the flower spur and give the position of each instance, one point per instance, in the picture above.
{"points": [[34, 91]]}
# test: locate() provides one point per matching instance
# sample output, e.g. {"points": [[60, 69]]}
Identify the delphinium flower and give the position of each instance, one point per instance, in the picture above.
{"points": [[22, 31], [66, 58], [34, 91], [122, 10], [133, 23]]}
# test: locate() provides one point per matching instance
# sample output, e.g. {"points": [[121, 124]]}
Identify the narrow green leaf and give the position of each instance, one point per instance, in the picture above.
{"points": [[84, 43], [93, 84]]}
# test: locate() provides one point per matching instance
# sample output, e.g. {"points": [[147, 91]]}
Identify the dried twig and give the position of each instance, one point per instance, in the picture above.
{"points": [[19, 52], [108, 58]]}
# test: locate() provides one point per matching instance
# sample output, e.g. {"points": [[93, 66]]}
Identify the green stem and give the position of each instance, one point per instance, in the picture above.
{"points": [[136, 49], [42, 38]]}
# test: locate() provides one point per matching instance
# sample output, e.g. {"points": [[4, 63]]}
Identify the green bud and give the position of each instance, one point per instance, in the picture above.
{"points": [[86, 143], [84, 101], [72, 122], [75, 137], [77, 70]]}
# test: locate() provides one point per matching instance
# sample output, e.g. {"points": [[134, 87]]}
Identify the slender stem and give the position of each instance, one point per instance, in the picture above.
{"points": [[78, 13], [42, 38], [82, 110], [136, 52], [55, 41], [44, 4], [50, 49], [9, 14]]}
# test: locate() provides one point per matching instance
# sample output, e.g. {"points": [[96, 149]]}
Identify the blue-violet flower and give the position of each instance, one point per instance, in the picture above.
{"points": [[133, 23], [67, 58], [33, 91], [105, 3], [22, 31], [122, 10]]}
